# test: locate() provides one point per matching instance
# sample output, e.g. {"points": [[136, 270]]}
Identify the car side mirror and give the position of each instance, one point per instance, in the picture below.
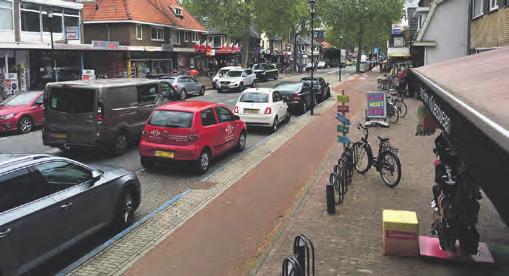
{"points": [[96, 175]]}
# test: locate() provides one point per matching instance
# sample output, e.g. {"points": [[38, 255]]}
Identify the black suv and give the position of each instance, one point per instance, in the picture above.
{"points": [[266, 71], [48, 204]]}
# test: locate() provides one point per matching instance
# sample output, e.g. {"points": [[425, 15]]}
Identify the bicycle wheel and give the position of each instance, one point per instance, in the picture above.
{"points": [[393, 114], [335, 178], [402, 108], [363, 157], [390, 168]]}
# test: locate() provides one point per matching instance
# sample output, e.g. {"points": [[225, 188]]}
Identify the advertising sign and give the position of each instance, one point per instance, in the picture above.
{"points": [[107, 45], [88, 75], [72, 33], [376, 105], [11, 85]]}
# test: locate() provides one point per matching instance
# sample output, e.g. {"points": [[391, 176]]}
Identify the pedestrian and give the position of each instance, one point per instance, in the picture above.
{"points": [[402, 77]]}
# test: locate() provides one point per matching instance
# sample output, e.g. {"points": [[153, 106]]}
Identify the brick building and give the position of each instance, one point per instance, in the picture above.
{"points": [[490, 24]]}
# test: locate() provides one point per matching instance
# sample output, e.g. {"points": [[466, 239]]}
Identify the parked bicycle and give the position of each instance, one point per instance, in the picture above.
{"points": [[399, 103], [392, 112], [341, 178], [387, 162]]}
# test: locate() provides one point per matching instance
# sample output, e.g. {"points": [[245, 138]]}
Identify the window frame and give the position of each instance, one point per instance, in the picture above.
{"points": [[34, 167], [139, 32], [213, 114], [481, 9], [178, 11], [186, 36], [195, 37], [11, 8], [157, 33], [142, 103], [219, 116], [177, 36], [493, 5]]}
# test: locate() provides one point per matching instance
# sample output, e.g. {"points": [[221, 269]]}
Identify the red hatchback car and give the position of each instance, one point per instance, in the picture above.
{"points": [[22, 112], [192, 131]]}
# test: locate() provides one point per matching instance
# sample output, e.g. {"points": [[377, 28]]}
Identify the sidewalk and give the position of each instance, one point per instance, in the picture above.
{"points": [[350, 243]]}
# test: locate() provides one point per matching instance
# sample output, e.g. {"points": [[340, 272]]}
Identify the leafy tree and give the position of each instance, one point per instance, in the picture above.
{"points": [[360, 22], [235, 17]]}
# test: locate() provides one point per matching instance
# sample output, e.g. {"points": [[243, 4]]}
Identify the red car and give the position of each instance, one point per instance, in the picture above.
{"points": [[22, 112], [191, 131]]}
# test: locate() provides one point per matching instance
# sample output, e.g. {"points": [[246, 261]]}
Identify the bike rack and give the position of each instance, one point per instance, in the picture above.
{"points": [[302, 263], [291, 267]]}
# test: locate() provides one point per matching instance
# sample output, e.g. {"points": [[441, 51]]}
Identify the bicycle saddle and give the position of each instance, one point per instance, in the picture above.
{"points": [[383, 139]]}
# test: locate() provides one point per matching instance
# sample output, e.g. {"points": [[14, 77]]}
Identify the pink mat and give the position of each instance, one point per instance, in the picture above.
{"points": [[429, 247]]}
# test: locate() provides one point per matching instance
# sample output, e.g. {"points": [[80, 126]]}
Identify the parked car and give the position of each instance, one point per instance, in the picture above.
{"points": [[48, 204], [191, 131], [221, 73], [193, 72], [237, 79], [321, 88], [321, 65], [186, 85], [22, 112], [266, 71], [297, 95], [100, 113], [262, 107]]}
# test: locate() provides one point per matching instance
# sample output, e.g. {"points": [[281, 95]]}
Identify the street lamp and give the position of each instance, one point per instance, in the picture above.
{"points": [[312, 12], [54, 71]]}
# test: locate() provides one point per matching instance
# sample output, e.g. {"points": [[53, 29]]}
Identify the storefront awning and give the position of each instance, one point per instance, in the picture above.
{"points": [[469, 97], [398, 52]]}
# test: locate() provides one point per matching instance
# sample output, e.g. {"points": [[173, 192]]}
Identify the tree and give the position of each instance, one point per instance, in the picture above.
{"points": [[360, 22], [275, 17]]}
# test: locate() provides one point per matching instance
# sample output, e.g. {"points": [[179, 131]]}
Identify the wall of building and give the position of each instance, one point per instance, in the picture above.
{"points": [[491, 30], [449, 29]]}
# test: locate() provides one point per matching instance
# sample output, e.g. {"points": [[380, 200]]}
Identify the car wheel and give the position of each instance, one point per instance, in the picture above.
{"points": [[124, 213], [241, 87], [147, 163], [202, 91], [183, 94], [288, 116], [203, 162], [120, 144], [241, 145], [25, 124], [274, 127]]}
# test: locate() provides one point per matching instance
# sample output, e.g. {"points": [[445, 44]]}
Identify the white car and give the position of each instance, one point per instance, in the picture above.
{"points": [[221, 73], [262, 107], [236, 79], [321, 65]]}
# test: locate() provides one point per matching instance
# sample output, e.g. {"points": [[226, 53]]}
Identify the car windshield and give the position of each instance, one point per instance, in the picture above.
{"points": [[173, 119], [288, 87], [260, 67], [234, 74], [254, 97], [20, 99]]}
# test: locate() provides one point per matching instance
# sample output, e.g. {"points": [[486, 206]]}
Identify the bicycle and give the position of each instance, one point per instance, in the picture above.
{"points": [[399, 103], [392, 112], [341, 178], [387, 162]]}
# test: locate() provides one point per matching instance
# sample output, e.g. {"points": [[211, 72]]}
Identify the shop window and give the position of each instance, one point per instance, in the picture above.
{"points": [[477, 8], [139, 31], [6, 22], [157, 33], [186, 36]]}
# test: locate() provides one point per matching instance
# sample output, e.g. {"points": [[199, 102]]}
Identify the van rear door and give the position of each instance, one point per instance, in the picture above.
{"points": [[70, 116]]}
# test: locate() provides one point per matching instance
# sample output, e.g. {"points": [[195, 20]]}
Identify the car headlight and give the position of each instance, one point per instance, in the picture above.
{"points": [[8, 116]]}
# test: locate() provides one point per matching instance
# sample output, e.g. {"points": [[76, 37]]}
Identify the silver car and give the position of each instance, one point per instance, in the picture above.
{"points": [[48, 204], [185, 85]]}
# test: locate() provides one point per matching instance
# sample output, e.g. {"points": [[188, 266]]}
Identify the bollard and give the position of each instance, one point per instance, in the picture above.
{"points": [[331, 206]]}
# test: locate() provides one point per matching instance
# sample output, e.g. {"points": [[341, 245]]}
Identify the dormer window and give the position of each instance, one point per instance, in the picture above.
{"points": [[177, 11]]}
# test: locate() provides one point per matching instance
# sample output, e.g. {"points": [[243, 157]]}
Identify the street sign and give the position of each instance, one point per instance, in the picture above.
{"points": [[343, 108], [343, 99], [343, 140], [343, 129], [376, 105], [343, 119]]}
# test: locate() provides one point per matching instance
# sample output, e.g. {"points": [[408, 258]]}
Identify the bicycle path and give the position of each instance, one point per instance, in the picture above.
{"points": [[227, 237]]}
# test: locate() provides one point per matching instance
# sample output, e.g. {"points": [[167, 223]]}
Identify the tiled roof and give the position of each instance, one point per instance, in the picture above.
{"points": [[151, 11]]}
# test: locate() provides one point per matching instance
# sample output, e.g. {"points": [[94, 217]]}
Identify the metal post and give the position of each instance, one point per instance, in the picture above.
{"points": [[312, 2], [55, 71], [331, 206], [340, 45]]}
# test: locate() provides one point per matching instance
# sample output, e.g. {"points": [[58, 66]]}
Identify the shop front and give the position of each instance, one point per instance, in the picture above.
{"points": [[146, 64]]}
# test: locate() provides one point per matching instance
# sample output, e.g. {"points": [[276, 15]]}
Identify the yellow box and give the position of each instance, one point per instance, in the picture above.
{"points": [[400, 233]]}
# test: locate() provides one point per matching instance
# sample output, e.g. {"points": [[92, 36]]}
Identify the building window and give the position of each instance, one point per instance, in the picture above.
{"points": [[33, 15], [30, 17], [186, 36], [175, 37], [477, 8], [71, 18], [157, 33], [195, 37], [6, 22], [139, 31], [177, 11], [52, 24], [493, 5]]}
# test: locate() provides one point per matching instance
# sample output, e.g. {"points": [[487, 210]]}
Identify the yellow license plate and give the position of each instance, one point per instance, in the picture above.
{"points": [[165, 154], [59, 135]]}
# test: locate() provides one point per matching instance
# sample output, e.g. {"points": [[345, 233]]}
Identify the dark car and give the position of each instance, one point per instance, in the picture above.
{"points": [[48, 204], [266, 71], [22, 112], [321, 88], [186, 85], [297, 95]]}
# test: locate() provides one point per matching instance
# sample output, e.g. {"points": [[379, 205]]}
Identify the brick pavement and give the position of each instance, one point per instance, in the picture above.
{"points": [[350, 243]]}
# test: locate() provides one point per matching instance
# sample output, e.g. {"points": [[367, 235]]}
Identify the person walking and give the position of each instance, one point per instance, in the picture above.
{"points": [[402, 77]]}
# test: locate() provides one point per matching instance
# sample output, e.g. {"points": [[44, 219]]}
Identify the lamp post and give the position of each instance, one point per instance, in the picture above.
{"points": [[312, 12], [340, 44], [54, 71]]}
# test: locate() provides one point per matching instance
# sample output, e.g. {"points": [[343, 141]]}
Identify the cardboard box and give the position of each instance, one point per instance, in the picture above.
{"points": [[400, 233]]}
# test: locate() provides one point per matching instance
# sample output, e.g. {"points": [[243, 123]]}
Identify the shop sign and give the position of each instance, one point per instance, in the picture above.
{"points": [[72, 33], [88, 75], [11, 83], [437, 110], [107, 45], [376, 105]]}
